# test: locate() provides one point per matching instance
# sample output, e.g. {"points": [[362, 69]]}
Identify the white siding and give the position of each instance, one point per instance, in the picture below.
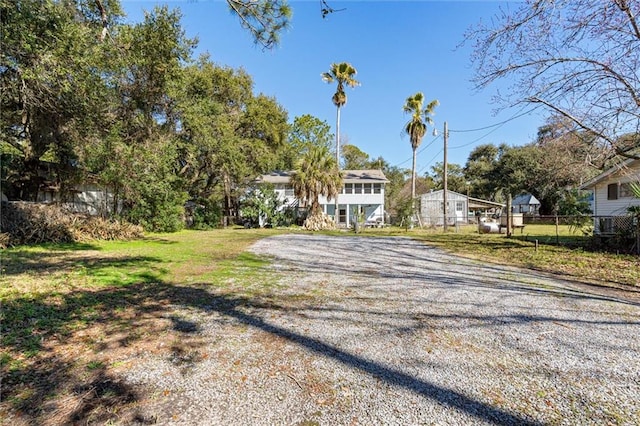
{"points": [[431, 208], [604, 207], [356, 199]]}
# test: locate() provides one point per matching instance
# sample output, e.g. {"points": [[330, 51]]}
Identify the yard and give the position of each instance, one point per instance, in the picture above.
{"points": [[84, 325]]}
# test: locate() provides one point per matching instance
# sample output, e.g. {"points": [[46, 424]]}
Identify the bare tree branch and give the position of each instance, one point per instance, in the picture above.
{"points": [[578, 58]]}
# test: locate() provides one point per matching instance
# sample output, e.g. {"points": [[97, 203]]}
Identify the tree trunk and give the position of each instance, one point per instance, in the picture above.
{"points": [[413, 179], [337, 212]]}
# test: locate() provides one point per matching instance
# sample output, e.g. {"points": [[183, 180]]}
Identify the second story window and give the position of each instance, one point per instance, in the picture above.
{"points": [[357, 188], [367, 188], [348, 188], [377, 188]]}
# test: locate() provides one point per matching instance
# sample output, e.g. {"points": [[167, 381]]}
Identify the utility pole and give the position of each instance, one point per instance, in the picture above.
{"points": [[444, 177]]}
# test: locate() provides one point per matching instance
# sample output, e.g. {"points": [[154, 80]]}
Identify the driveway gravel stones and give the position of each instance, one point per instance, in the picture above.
{"points": [[362, 331]]}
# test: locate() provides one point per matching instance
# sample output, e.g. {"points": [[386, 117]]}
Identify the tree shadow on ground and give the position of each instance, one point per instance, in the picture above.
{"points": [[53, 347], [397, 258], [32, 389]]}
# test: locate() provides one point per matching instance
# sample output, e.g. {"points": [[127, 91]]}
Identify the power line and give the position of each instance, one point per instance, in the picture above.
{"points": [[517, 115], [475, 140], [494, 126], [430, 161], [419, 151]]}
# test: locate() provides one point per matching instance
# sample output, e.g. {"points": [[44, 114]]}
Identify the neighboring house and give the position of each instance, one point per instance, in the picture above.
{"points": [[458, 208], [88, 198], [526, 204], [612, 196], [362, 195]]}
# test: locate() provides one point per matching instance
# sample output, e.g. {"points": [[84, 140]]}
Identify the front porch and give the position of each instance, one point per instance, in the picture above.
{"points": [[348, 214]]}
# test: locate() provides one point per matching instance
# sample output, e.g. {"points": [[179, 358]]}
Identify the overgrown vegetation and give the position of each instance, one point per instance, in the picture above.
{"points": [[87, 97], [30, 223]]}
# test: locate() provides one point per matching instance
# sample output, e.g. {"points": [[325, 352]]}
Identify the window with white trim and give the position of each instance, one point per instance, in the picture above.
{"points": [[348, 188]]}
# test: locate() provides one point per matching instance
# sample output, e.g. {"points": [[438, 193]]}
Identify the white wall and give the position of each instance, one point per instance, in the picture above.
{"points": [[604, 207]]}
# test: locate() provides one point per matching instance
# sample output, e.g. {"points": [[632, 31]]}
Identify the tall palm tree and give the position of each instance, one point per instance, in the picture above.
{"points": [[342, 73], [417, 127], [316, 174]]}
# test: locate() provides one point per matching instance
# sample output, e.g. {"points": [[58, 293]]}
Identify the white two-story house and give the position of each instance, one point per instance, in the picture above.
{"points": [[362, 196]]}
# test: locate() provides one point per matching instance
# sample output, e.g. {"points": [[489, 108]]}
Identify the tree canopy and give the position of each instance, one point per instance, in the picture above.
{"points": [[91, 98], [306, 132], [316, 174], [416, 127], [577, 58]]}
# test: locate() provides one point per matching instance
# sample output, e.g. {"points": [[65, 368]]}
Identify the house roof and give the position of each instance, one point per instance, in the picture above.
{"points": [[278, 176], [355, 176], [350, 176], [525, 200], [630, 163], [477, 203]]}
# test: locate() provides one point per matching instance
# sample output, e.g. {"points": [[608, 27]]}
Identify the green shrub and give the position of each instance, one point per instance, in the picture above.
{"points": [[206, 214]]}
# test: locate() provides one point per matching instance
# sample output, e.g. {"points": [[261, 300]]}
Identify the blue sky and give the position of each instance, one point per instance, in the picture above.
{"points": [[398, 48]]}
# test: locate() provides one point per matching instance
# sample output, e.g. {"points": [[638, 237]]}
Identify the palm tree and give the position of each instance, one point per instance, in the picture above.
{"points": [[417, 127], [343, 73], [316, 174]]}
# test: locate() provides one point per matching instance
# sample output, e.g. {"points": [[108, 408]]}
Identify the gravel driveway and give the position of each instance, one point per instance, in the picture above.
{"points": [[373, 331]]}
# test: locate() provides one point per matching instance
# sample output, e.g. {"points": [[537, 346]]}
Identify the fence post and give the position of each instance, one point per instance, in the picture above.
{"points": [[509, 218]]}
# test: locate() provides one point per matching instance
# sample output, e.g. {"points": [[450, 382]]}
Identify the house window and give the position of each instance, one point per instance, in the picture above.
{"points": [[342, 215], [348, 188], [612, 191], [459, 206], [288, 191], [377, 188], [625, 190], [367, 188], [357, 188]]}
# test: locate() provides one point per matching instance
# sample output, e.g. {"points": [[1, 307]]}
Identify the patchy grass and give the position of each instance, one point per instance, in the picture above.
{"points": [[560, 253], [74, 316]]}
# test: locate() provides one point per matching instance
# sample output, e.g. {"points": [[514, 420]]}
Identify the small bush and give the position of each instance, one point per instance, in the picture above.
{"points": [[206, 214]]}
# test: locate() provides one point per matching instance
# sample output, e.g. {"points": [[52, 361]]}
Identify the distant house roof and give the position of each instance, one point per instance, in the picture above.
{"points": [[630, 163], [350, 176], [525, 200], [277, 176]]}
